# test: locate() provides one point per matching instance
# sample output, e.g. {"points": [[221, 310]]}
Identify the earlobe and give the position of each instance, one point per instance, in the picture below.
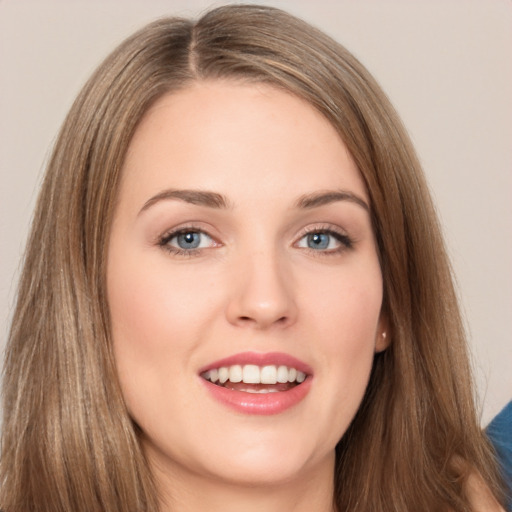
{"points": [[383, 338]]}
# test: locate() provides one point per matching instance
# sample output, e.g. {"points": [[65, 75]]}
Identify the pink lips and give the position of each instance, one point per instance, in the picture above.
{"points": [[266, 403], [275, 358]]}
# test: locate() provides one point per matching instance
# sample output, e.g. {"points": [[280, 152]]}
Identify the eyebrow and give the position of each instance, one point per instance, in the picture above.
{"points": [[322, 198], [218, 201], [198, 197]]}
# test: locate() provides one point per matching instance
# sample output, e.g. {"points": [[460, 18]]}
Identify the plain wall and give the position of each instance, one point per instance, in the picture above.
{"points": [[446, 65]]}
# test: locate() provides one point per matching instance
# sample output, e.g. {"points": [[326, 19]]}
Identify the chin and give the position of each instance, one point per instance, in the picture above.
{"points": [[263, 472], [269, 462]]}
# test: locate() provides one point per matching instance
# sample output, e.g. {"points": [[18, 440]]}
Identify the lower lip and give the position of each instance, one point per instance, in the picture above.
{"points": [[259, 403]]}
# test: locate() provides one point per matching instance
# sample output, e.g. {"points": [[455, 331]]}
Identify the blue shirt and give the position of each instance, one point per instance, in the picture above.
{"points": [[499, 433]]}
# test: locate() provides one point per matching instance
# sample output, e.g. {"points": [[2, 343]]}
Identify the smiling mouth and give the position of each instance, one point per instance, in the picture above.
{"points": [[251, 378]]}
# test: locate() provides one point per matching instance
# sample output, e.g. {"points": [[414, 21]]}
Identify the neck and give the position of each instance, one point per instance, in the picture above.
{"points": [[184, 491]]}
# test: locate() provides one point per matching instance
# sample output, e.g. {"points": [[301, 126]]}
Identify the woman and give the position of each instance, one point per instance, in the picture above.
{"points": [[235, 292]]}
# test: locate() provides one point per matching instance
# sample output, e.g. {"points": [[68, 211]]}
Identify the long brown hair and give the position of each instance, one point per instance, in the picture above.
{"points": [[68, 442]]}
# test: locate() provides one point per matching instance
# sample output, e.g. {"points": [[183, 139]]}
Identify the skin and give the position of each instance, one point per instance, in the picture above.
{"points": [[255, 284]]}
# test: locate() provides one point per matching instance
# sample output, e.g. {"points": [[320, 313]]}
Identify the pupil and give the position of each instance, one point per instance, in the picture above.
{"points": [[318, 241], [189, 240]]}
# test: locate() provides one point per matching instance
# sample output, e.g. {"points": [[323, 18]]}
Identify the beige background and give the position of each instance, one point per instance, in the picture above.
{"points": [[446, 64]]}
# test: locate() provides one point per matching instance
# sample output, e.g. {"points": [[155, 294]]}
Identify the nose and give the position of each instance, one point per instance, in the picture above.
{"points": [[262, 293]]}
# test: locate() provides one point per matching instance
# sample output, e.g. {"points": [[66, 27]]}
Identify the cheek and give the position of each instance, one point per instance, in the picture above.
{"points": [[347, 307], [152, 309], [347, 320], [158, 318], [349, 344]]}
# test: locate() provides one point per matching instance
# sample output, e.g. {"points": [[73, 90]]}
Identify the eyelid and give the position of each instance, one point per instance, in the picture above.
{"points": [[177, 234], [164, 239], [346, 242]]}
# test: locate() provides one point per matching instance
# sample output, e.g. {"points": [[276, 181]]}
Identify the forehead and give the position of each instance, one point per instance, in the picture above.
{"points": [[238, 138]]}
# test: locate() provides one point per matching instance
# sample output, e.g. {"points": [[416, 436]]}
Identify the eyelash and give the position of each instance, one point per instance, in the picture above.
{"points": [[164, 240], [346, 243]]}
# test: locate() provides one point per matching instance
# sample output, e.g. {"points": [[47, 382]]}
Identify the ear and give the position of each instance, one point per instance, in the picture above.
{"points": [[383, 335]]}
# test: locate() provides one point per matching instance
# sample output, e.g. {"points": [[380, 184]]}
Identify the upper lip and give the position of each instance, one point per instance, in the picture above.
{"points": [[260, 359]]}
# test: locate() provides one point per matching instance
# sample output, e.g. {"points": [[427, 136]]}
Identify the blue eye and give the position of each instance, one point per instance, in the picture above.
{"points": [[186, 240], [190, 240], [328, 241], [318, 241]]}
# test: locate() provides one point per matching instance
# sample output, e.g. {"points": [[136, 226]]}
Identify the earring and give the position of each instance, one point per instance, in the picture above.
{"points": [[384, 335]]}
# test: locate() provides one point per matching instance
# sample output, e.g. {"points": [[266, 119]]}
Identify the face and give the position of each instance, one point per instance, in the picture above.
{"points": [[244, 285]]}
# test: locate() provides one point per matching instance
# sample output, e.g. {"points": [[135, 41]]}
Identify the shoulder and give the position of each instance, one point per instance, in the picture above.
{"points": [[499, 433]]}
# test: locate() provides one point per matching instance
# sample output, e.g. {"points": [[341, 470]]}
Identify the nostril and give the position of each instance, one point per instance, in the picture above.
{"points": [[248, 319]]}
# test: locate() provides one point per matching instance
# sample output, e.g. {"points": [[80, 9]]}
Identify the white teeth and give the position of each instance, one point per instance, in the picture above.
{"points": [[253, 374], [223, 374], [282, 374], [261, 391], [268, 375], [235, 373]]}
